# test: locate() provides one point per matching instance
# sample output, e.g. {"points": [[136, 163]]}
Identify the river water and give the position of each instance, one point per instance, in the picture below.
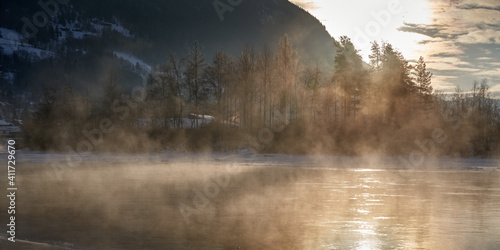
{"points": [[255, 204]]}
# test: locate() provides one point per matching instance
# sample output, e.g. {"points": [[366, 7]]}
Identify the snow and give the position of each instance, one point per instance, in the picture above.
{"points": [[38, 53], [11, 42], [186, 122], [100, 25], [192, 123], [208, 117], [81, 34], [75, 31], [4, 123], [144, 67], [132, 59], [120, 29], [8, 129]]}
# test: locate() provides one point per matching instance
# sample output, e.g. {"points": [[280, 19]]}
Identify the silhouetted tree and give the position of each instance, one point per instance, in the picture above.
{"points": [[219, 77], [193, 75]]}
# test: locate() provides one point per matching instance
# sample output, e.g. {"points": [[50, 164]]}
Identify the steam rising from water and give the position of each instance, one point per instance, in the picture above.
{"points": [[265, 202]]}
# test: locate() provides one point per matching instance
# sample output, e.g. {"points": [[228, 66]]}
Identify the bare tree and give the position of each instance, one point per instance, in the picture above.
{"points": [[286, 61], [246, 71], [195, 66], [266, 86], [311, 78], [219, 76], [173, 68]]}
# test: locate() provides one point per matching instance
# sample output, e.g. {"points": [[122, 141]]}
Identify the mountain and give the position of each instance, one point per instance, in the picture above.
{"points": [[59, 42]]}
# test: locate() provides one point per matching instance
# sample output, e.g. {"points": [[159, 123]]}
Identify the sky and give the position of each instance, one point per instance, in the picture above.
{"points": [[459, 39]]}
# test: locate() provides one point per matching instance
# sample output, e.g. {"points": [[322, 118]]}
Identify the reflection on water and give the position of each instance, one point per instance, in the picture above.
{"points": [[265, 207], [432, 210]]}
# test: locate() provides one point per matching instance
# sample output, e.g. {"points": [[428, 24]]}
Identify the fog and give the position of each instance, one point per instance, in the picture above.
{"points": [[270, 101], [227, 201]]}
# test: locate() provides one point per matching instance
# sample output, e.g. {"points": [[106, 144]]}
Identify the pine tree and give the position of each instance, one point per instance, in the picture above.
{"points": [[350, 77], [376, 56], [423, 83], [422, 77], [394, 85]]}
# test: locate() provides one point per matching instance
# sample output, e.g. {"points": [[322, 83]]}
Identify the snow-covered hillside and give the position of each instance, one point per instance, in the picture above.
{"points": [[139, 65], [94, 28], [11, 41]]}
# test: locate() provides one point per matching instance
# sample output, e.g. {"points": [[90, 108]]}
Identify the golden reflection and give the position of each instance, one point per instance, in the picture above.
{"points": [[261, 208]]}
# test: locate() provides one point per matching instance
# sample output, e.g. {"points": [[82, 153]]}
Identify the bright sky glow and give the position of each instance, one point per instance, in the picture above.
{"points": [[460, 40]]}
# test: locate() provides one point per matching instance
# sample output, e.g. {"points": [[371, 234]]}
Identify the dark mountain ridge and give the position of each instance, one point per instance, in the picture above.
{"points": [[77, 44]]}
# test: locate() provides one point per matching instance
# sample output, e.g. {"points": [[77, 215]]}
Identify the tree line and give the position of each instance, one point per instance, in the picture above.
{"points": [[384, 106]]}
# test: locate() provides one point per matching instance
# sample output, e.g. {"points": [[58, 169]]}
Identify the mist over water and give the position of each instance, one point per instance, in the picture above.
{"points": [[162, 126], [262, 202]]}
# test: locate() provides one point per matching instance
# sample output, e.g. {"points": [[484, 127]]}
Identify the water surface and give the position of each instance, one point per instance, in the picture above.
{"points": [[221, 204]]}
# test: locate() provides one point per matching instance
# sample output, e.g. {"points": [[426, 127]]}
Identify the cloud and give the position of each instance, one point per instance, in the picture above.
{"points": [[444, 54], [463, 42], [305, 4], [495, 64], [462, 21], [495, 89], [442, 83], [485, 51], [445, 66], [483, 17], [477, 7], [480, 37], [427, 30], [479, 4], [489, 73], [441, 47]]}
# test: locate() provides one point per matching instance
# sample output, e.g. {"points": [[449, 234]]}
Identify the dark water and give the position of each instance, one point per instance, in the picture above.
{"points": [[226, 206]]}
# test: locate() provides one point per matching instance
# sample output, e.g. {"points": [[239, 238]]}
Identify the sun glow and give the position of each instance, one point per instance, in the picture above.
{"points": [[368, 20], [456, 38]]}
